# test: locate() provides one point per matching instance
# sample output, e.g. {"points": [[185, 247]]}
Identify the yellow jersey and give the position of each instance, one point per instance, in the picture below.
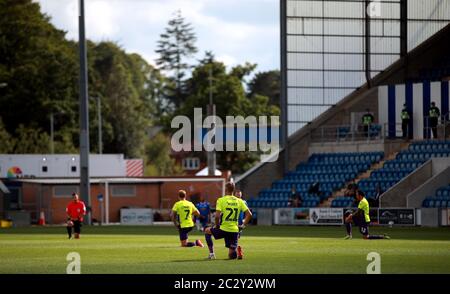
{"points": [[364, 206], [184, 210], [230, 207]]}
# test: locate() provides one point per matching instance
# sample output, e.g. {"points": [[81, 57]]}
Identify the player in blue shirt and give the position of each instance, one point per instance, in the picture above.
{"points": [[205, 210]]}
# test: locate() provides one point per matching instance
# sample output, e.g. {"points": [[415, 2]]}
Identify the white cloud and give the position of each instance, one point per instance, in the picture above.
{"points": [[223, 27], [227, 60]]}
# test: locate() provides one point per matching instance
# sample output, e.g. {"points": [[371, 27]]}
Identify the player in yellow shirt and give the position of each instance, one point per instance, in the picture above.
{"points": [[182, 213], [361, 218], [228, 209]]}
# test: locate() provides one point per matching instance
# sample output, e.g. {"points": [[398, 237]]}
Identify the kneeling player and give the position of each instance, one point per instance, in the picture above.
{"points": [[361, 218], [75, 211], [205, 211], [228, 209], [182, 213]]}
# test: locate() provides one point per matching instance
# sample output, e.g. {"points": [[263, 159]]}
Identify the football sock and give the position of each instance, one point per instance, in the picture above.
{"points": [[233, 255], [69, 231], [375, 237], [348, 226], [210, 243], [190, 244]]}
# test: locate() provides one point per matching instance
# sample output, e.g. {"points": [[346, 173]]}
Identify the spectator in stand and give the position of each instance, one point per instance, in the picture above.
{"points": [[433, 119], [405, 122], [314, 189], [351, 190], [376, 200], [295, 199], [367, 120]]}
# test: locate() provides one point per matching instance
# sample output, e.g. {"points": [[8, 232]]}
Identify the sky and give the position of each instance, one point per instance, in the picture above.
{"points": [[236, 31]]}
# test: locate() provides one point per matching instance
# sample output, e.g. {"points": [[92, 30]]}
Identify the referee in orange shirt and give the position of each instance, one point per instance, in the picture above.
{"points": [[75, 211]]}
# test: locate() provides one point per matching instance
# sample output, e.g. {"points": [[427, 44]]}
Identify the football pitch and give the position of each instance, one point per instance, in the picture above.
{"points": [[267, 250]]}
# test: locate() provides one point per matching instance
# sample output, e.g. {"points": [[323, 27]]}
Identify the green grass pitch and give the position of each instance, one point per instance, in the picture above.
{"points": [[276, 249]]}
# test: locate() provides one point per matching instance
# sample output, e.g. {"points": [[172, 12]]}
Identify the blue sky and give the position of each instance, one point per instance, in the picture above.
{"points": [[235, 30]]}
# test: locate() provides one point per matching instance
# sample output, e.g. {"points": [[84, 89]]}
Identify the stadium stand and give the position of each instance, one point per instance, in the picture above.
{"points": [[404, 78], [441, 199], [405, 162], [331, 170], [343, 202]]}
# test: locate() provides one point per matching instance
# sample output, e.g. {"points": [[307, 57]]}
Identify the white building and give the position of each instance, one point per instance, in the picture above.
{"points": [[67, 166]]}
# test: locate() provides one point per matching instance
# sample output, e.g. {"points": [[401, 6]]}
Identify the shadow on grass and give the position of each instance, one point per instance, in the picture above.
{"points": [[195, 260], [334, 232]]}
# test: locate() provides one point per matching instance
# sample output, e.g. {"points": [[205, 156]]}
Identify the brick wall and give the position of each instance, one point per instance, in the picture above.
{"points": [[148, 195]]}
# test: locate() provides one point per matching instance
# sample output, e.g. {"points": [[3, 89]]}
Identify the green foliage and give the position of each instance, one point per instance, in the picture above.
{"points": [[241, 71], [37, 63], [31, 141], [230, 99], [174, 47], [266, 84], [6, 141], [41, 70], [159, 162], [122, 83]]}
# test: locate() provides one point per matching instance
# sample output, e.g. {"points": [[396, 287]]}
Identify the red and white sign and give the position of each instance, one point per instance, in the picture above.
{"points": [[135, 167]]}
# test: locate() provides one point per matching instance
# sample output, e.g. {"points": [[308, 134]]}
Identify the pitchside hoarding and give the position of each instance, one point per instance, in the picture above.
{"points": [[284, 216], [291, 216], [445, 217], [326, 216], [301, 216], [136, 216], [396, 216], [335, 216]]}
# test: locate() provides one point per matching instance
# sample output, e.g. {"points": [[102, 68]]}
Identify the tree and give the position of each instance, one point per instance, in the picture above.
{"points": [[159, 162], [267, 84], [241, 71], [39, 66], [31, 141], [7, 143], [122, 83], [230, 99], [174, 46], [208, 58]]}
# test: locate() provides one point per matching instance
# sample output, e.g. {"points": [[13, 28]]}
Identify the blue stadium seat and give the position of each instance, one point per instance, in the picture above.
{"points": [[332, 170]]}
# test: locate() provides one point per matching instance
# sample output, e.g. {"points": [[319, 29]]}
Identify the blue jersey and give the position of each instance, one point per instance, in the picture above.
{"points": [[204, 209], [242, 214]]}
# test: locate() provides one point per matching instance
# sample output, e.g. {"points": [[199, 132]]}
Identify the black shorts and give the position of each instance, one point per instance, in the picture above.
{"points": [[231, 238], [364, 229], [184, 233], [77, 226], [362, 224]]}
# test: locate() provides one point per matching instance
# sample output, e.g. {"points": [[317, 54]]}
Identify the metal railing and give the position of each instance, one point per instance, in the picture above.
{"points": [[443, 126], [348, 133], [395, 131], [351, 133]]}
